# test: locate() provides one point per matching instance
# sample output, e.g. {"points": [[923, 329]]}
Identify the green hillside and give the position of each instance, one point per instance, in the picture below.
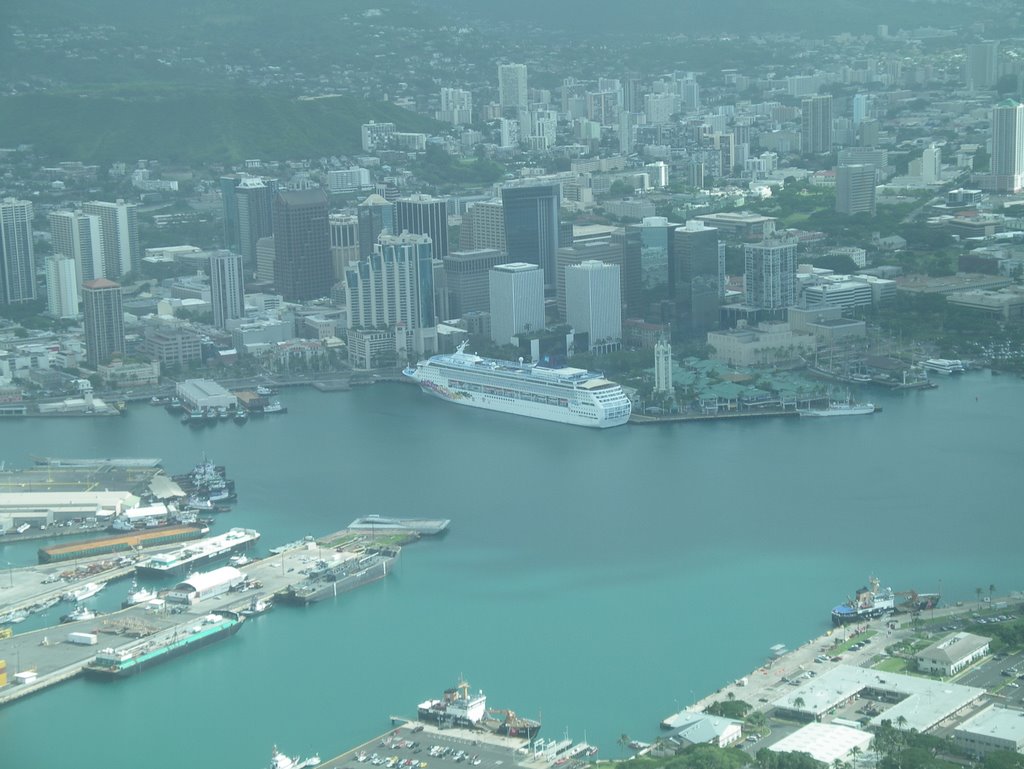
{"points": [[181, 127]]}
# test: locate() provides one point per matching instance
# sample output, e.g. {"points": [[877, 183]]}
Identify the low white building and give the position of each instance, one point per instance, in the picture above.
{"points": [[952, 654], [691, 727], [206, 584], [994, 728], [205, 393], [824, 742]]}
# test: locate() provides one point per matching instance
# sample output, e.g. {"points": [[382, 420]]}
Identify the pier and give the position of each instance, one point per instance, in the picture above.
{"points": [[50, 654]]}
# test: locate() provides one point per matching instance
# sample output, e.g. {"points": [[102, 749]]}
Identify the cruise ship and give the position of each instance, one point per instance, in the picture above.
{"points": [[569, 395], [191, 556]]}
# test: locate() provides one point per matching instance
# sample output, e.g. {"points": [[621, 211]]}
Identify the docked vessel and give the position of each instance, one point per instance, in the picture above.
{"points": [[275, 407], [137, 595], [568, 395], [128, 660], [460, 707], [279, 760], [81, 613], [84, 592], [326, 579], [868, 603], [126, 542], [944, 366], [839, 409], [191, 556]]}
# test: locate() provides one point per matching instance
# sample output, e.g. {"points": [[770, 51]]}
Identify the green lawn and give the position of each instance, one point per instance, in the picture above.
{"points": [[892, 665]]}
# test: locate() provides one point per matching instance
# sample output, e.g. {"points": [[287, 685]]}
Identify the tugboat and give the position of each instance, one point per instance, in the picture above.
{"points": [[241, 417], [82, 612], [137, 595]]}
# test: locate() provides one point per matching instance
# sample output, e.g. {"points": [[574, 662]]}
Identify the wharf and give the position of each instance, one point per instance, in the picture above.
{"points": [[425, 527], [412, 739], [644, 419], [55, 659]]}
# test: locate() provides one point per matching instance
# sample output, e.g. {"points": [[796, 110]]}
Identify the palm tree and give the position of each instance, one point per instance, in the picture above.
{"points": [[623, 742], [977, 592], [991, 590], [901, 722], [855, 754], [799, 703]]}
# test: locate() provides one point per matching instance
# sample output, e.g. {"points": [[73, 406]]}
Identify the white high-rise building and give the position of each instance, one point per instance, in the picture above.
{"points": [[659, 107], [456, 106], [931, 165], [77, 235], [517, 300], [1007, 147], [512, 91], [17, 252], [227, 292], [509, 133], [662, 366], [344, 242], [348, 180], [61, 287], [544, 124], [593, 301], [119, 236]]}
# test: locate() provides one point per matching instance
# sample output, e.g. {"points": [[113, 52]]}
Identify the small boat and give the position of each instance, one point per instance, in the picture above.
{"points": [[239, 560], [13, 617], [223, 413], [263, 391], [81, 613], [256, 607], [137, 595], [275, 407], [279, 760], [241, 417], [83, 593]]}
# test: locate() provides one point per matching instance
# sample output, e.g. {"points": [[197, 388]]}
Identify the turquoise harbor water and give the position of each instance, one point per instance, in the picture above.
{"points": [[599, 579]]}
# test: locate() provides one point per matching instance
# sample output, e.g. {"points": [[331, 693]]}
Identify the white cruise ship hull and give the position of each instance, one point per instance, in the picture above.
{"points": [[575, 408]]}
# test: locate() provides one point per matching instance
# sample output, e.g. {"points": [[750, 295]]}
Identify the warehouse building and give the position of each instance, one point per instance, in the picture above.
{"points": [[952, 654], [994, 728], [206, 584]]}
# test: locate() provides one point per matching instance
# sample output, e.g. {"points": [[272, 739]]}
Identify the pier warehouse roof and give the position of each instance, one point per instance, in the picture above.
{"points": [[922, 702], [994, 728], [204, 393], [692, 728], [206, 585]]}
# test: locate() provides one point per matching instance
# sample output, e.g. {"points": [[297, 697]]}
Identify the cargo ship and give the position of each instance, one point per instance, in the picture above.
{"points": [[190, 557], [326, 580], [126, 661], [868, 603], [459, 707], [124, 543], [569, 395]]}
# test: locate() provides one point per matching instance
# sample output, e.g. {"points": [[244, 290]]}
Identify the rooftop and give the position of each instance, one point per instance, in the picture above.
{"points": [[955, 647]]}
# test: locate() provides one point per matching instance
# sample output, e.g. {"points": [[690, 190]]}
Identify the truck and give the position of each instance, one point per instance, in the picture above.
{"points": [[83, 639]]}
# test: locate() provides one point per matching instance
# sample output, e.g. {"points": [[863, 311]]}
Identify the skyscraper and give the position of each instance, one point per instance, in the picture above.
{"points": [[593, 303], [1007, 146], [266, 255], [696, 277], [483, 226], [855, 189], [344, 243], [816, 124], [227, 294], [61, 287], [77, 235], [512, 91], [516, 299], [931, 164], [119, 236], [424, 215], [103, 320], [230, 209], [982, 68], [531, 225], [17, 254], [467, 283], [769, 274], [302, 245], [254, 202], [375, 215], [606, 250], [394, 289]]}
